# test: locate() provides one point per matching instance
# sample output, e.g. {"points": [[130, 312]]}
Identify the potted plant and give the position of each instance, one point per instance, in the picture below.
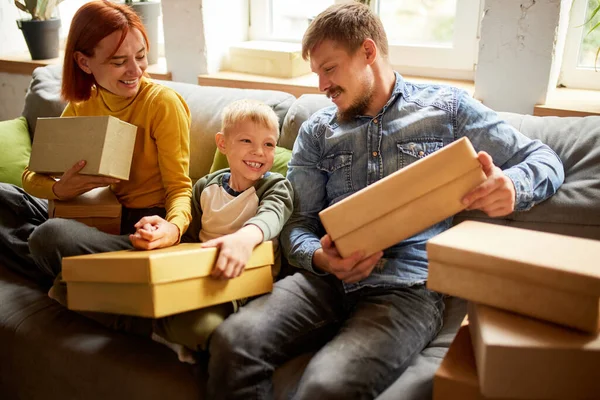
{"points": [[149, 12], [41, 30]]}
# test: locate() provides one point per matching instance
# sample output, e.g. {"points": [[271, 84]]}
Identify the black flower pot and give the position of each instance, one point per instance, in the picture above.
{"points": [[41, 37]]}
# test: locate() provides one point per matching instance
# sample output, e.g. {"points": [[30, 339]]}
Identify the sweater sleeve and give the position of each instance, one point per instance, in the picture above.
{"points": [[40, 185], [275, 206], [171, 131], [192, 234]]}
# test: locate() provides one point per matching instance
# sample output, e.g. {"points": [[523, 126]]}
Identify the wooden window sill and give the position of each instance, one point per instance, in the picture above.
{"points": [[24, 65], [564, 102], [306, 84]]}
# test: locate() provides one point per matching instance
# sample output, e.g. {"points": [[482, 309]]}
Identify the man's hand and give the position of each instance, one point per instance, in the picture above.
{"points": [[351, 269], [496, 195], [154, 232], [72, 183], [234, 251]]}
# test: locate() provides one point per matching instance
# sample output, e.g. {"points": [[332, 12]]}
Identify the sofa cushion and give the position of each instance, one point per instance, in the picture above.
{"points": [[574, 209], [43, 95], [15, 148], [299, 112], [282, 157]]}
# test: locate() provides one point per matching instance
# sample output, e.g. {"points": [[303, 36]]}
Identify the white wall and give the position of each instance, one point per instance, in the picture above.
{"points": [[198, 34], [517, 53], [12, 94]]}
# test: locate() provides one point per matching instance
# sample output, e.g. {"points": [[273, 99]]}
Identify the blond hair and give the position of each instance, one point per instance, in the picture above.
{"points": [[249, 110], [348, 24]]}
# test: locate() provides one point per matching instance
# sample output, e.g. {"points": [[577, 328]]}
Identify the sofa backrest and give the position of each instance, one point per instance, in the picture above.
{"points": [[205, 103]]}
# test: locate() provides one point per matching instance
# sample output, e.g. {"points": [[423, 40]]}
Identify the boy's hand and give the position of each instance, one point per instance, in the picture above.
{"points": [[154, 232], [351, 269], [235, 251], [496, 195], [72, 183]]}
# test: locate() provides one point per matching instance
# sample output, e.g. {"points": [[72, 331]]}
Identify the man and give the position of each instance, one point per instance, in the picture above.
{"points": [[366, 317]]}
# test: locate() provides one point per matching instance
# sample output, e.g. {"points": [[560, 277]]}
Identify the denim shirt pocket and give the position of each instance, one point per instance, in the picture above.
{"points": [[338, 167], [412, 150]]}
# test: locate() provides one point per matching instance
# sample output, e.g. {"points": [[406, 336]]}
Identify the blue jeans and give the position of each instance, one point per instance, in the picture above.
{"points": [[364, 339]]}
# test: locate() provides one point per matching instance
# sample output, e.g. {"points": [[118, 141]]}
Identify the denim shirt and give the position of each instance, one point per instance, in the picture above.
{"points": [[331, 160]]}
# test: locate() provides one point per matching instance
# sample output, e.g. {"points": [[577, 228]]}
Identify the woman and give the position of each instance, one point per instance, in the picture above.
{"points": [[104, 74]]}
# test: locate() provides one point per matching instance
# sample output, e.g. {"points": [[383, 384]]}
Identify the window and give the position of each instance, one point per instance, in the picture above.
{"points": [[426, 37], [579, 60]]}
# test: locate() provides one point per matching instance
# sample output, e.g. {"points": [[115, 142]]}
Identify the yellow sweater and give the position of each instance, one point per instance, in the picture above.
{"points": [[159, 174]]}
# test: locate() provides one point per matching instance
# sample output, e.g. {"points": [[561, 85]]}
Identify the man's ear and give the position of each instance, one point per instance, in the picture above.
{"points": [[370, 50], [82, 61], [220, 140]]}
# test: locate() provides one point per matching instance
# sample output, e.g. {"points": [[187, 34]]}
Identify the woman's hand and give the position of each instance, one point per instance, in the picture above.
{"points": [[234, 251], [72, 183], [154, 232]]}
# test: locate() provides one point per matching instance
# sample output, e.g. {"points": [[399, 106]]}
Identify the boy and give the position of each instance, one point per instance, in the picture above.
{"points": [[233, 209]]}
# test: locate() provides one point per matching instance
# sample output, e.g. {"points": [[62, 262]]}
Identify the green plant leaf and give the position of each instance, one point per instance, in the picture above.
{"points": [[592, 29], [592, 16]]}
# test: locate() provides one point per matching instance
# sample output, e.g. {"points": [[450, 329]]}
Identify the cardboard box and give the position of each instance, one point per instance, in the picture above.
{"points": [[405, 202], [523, 358], [160, 282], [548, 276], [276, 59], [98, 208], [105, 143]]}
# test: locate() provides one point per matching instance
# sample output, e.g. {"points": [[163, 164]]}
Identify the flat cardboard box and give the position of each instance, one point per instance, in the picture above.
{"points": [[98, 208], [276, 59], [105, 143], [405, 202], [524, 358], [160, 282], [547, 276]]}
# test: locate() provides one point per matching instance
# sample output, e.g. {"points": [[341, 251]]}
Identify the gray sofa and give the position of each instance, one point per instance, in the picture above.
{"points": [[49, 352]]}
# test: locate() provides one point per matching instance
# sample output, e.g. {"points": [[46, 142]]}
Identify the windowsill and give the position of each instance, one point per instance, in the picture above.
{"points": [[564, 102], [21, 63], [298, 86]]}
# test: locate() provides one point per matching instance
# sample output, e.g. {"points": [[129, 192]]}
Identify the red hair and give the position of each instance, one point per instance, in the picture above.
{"points": [[92, 23]]}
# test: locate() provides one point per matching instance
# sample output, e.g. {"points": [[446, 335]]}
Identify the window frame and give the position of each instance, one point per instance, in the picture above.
{"points": [[456, 62], [571, 75]]}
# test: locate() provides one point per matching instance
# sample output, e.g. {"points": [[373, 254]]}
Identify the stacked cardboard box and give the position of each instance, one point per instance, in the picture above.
{"points": [[98, 208], [160, 282], [533, 311], [405, 202]]}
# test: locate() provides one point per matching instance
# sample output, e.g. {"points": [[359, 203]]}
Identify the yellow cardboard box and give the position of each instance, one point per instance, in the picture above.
{"points": [[160, 282], [98, 208], [405, 202], [524, 358], [547, 276], [105, 143]]}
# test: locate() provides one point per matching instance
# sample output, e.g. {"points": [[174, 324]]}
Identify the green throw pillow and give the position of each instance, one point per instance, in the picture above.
{"points": [[15, 148], [282, 157]]}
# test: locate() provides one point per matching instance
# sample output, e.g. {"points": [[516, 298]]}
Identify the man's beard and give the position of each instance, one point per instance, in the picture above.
{"points": [[358, 107]]}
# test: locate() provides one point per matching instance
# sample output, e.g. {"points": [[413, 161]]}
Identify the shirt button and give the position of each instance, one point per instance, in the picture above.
{"points": [[374, 154], [421, 153], [375, 121]]}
